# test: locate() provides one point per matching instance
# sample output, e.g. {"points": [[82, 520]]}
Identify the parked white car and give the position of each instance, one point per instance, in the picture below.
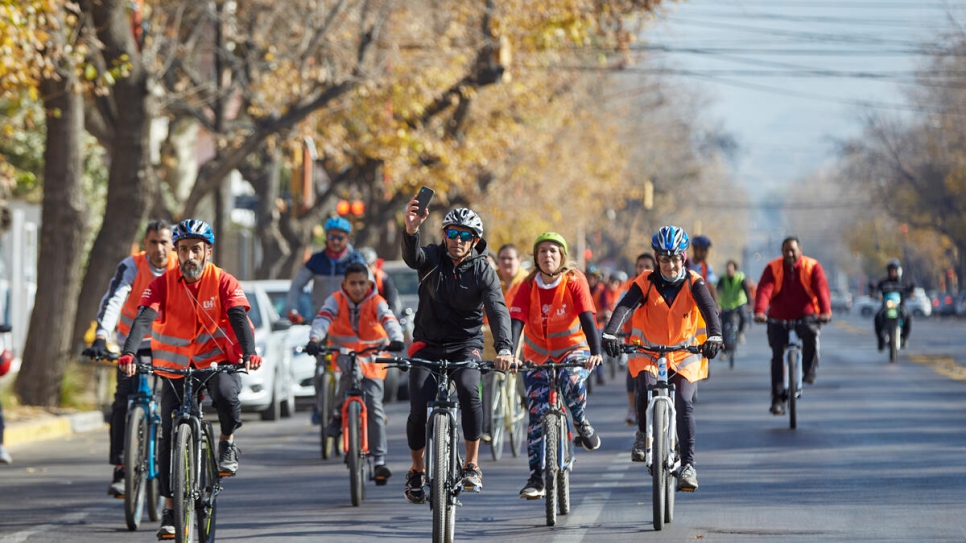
{"points": [[268, 390], [919, 303]]}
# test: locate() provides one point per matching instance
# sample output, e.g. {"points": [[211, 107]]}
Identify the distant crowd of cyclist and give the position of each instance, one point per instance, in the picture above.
{"points": [[171, 305]]}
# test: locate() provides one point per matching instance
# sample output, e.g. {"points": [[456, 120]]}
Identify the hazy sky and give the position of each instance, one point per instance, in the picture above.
{"points": [[787, 76]]}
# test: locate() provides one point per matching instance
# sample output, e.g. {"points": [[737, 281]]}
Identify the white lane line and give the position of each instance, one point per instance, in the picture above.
{"points": [[22, 536], [586, 513]]}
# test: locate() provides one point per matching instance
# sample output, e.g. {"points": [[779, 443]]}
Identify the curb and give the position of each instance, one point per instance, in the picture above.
{"points": [[52, 427]]}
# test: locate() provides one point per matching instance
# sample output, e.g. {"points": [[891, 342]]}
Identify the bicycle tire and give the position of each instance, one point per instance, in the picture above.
{"points": [[354, 454], [439, 493], [153, 497], [731, 359], [206, 507], [792, 389], [326, 394], [135, 466], [497, 421], [516, 418], [551, 443], [894, 343], [563, 477], [183, 481], [612, 365], [659, 465], [670, 482]]}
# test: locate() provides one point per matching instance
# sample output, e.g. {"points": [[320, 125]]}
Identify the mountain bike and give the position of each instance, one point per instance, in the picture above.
{"points": [[558, 451], [355, 426], [326, 379], [142, 425], [195, 477], [730, 322], [792, 364], [508, 415], [443, 461], [661, 456]]}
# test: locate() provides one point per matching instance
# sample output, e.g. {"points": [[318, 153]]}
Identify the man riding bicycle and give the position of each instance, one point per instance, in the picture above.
{"points": [[204, 321], [792, 287], [455, 284], [700, 247], [356, 318], [670, 306], [894, 282], [734, 292], [117, 310]]}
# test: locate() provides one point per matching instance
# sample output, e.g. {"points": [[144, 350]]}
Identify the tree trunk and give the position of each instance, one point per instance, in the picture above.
{"points": [[275, 249], [64, 214]]}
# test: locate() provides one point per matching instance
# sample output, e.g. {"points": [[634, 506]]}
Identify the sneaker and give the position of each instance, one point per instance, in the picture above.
{"points": [[533, 490], [116, 488], [741, 337], [631, 418], [777, 407], [227, 459], [588, 437], [809, 378], [381, 474], [472, 478], [414, 487], [687, 479], [640, 447], [334, 429], [166, 530], [4, 456]]}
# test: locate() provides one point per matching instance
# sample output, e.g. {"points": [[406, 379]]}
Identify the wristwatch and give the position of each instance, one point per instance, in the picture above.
{"points": [[504, 352]]}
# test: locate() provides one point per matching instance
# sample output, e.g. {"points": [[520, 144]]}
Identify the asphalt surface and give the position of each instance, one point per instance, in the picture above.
{"points": [[879, 455]]}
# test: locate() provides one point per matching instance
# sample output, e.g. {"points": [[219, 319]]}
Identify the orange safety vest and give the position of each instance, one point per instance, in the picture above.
{"points": [[193, 331], [378, 275], [808, 267], [654, 323], [563, 333], [371, 332], [141, 282]]}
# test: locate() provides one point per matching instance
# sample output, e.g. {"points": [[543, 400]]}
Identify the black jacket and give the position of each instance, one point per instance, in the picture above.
{"points": [[451, 299]]}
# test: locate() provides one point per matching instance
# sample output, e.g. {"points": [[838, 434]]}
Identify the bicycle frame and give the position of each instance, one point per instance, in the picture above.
{"points": [[793, 348], [354, 394], [143, 397], [443, 408], [557, 409]]}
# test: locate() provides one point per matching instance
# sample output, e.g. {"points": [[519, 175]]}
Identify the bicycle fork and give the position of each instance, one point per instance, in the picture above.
{"points": [[670, 430], [364, 421], [452, 484]]}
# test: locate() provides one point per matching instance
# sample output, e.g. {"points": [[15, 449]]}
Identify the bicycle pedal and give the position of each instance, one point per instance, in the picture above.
{"points": [[226, 473], [165, 537], [118, 496]]}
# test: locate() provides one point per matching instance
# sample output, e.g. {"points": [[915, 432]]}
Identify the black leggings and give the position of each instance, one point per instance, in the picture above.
{"points": [[683, 407], [422, 390]]}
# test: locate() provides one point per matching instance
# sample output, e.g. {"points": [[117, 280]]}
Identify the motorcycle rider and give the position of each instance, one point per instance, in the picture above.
{"points": [[893, 282]]}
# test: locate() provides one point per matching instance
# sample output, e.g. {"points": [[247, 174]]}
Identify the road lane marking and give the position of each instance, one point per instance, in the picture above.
{"points": [[943, 365], [849, 327], [583, 517], [22, 536]]}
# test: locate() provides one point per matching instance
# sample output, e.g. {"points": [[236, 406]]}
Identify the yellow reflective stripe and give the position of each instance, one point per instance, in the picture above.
{"points": [[169, 357], [560, 352], [687, 361], [169, 340], [536, 348], [565, 333], [342, 340]]}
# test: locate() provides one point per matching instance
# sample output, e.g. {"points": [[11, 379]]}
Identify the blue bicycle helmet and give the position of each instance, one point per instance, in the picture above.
{"points": [[338, 223], [193, 229], [670, 240], [701, 242]]}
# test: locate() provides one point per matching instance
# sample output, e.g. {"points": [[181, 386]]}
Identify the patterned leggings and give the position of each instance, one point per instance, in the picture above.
{"points": [[538, 402]]}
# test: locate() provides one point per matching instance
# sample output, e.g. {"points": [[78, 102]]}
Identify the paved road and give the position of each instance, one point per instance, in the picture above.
{"points": [[879, 455]]}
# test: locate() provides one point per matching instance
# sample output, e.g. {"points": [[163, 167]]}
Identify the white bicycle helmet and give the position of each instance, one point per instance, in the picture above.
{"points": [[465, 217]]}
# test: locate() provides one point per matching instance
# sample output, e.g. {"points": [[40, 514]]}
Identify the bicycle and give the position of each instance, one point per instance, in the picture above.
{"points": [[507, 416], [558, 452], [326, 383], [142, 424], [661, 455], [355, 426], [195, 477], [731, 322], [792, 364], [443, 461]]}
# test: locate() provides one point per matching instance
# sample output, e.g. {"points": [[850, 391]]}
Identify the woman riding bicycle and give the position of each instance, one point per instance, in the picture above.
{"points": [[555, 312], [670, 307]]}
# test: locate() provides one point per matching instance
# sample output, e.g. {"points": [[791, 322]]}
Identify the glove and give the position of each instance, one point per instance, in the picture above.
{"points": [[313, 348], [97, 350], [295, 318], [254, 362], [396, 346], [711, 347], [125, 361], [613, 346]]}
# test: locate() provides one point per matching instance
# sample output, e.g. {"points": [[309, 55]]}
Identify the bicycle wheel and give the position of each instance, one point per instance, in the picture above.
{"points": [[516, 417], [326, 395], [659, 464], [551, 442], [497, 419], [354, 457], [894, 343], [183, 481], [563, 477], [207, 505], [669, 481], [439, 494], [135, 466], [793, 370]]}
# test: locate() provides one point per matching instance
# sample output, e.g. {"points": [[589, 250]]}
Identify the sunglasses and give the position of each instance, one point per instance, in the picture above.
{"points": [[453, 233], [336, 237], [677, 259]]}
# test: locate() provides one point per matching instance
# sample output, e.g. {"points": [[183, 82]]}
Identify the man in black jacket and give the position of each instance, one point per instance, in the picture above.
{"points": [[893, 282], [455, 284]]}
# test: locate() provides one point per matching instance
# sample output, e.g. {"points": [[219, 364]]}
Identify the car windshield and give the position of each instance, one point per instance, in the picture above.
{"points": [[254, 314], [278, 298], [406, 281]]}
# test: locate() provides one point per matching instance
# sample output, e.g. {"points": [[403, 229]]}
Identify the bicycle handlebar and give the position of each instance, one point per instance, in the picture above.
{"points": [[216, 368], [531, 365], [107, 360], [662, 349], [789, 322], [405, 362]]}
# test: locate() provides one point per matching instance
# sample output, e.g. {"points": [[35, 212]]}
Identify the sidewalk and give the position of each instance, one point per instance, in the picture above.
{"points": [[25, 425]]}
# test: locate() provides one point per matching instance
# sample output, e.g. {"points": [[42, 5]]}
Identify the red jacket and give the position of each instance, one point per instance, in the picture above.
{"points": [[792, 301]]}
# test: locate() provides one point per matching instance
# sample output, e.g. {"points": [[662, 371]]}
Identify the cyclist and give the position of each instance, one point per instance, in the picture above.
{"points": [[609, 296], [734, 292], [324, 268], [644, 262], [554, 313], [203, 321], [700, 247], [894, 282], [595, 280], [669, 307], [455, 285], [792, 287], [117, 310], [355, 318], [385, 286]]}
